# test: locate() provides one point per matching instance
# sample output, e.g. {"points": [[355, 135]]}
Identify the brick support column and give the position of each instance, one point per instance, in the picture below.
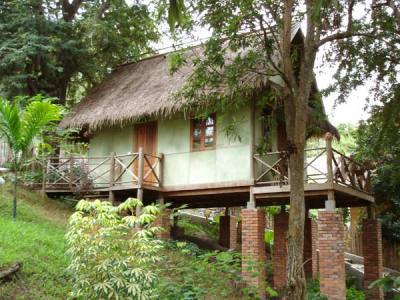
{"points": [[373, 260], [228, 232], [163, 221], [331, 255], [253, 249], [315, 251], [281, 222], [308, 248]]}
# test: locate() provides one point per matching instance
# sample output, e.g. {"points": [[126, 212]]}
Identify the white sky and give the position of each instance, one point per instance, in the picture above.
{"points": [[352, 110]]}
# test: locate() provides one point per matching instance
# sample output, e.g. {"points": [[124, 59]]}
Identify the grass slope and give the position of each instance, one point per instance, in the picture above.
{"points": [[36, 239]]}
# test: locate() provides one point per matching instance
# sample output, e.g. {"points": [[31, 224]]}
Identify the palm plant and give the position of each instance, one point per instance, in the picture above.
{"points": [[19, 127]]}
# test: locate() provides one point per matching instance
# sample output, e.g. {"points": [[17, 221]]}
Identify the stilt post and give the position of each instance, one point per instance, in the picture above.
{"points": [[331, 255], [253, 249], [373, 259]]}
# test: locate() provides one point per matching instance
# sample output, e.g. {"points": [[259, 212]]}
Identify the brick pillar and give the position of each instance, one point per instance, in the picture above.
{"points": [[163, 221], [281, 222], [253, 249], [373, 260], [331, 255], [308, 248], [228, 232], [315, 251]]}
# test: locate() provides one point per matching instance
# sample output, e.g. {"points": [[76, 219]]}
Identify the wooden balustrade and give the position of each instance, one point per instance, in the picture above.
{"points": [[83, 174], [322, 165]]}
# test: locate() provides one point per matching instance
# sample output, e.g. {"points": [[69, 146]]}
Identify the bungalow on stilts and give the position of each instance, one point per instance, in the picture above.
{"points": [[143, 144]]}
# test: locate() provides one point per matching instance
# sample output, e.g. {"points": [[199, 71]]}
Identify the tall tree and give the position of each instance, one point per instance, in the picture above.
{"points": [[252, 44], [62, 47]]}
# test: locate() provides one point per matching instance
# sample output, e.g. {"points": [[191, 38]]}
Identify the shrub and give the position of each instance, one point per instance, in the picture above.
{"points": [[113, 257]]}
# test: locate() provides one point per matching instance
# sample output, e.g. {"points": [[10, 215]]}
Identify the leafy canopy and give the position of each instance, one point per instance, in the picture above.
{"points": [[62, 48]]}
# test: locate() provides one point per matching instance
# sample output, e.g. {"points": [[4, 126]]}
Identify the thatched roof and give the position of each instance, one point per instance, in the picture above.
{"points": [[142, 90], [131, 92]]}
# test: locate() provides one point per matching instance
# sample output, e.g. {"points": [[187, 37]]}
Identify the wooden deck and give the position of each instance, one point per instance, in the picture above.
{"points": [[329, 174]]}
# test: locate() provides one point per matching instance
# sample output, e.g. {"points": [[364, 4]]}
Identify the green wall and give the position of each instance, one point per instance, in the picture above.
{"points": [[230, 161]]}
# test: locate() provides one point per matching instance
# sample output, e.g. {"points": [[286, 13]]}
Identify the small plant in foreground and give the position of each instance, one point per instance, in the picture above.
{"points": [[389, 285], [113, 257]]}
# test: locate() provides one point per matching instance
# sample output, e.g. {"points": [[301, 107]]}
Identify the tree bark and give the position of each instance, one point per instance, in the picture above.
{"points": [[295, 117]]}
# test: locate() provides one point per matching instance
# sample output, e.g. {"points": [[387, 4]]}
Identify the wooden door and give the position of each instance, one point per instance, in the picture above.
{"points": [[146, 137]]}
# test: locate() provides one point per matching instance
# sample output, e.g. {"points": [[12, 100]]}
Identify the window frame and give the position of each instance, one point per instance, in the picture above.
{"points": [[203, 133]]}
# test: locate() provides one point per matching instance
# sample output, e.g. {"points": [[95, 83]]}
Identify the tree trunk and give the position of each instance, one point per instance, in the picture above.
{"points": [[295, 119], [15, 193], [296, 281]]}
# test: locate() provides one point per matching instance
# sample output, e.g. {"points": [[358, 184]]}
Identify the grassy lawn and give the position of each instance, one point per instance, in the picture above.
{"points": [[36, 240]]}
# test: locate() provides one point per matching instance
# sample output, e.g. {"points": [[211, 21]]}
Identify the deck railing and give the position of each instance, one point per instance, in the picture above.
{"points": [[323, 164], [88, 173]]}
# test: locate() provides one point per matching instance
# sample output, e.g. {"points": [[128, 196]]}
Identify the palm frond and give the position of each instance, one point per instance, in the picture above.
{"points": [[37, 116], [10, 124]]}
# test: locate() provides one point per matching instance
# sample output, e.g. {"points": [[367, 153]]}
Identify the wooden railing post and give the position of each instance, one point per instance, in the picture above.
{"points": [[71, 171], [330, 203], [329, 158], [160, 169], [111, 197], [140, 174]]}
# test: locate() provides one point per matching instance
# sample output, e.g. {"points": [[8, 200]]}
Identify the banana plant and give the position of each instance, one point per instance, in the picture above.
{"points": [[19, 127]]}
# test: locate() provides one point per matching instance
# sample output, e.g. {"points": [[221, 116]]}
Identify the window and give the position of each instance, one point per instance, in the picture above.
{"points": [[203, 133]]}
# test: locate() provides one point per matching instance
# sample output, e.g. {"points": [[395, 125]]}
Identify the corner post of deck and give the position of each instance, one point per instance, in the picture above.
{"points": [[111, 196], [329, 158], [252, 141], [139, 194]]}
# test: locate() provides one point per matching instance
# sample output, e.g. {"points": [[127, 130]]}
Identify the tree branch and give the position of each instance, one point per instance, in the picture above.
{"points": [[70, 9]]}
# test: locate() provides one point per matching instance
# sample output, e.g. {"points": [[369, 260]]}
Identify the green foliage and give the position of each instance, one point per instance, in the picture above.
{"points": [[348, 140], [269, 239], [190, 273], [382, 149], [61, 48], [353, 294], [21, 127], [113, 256], [175, 61], [388, 284], [313, 289]]}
